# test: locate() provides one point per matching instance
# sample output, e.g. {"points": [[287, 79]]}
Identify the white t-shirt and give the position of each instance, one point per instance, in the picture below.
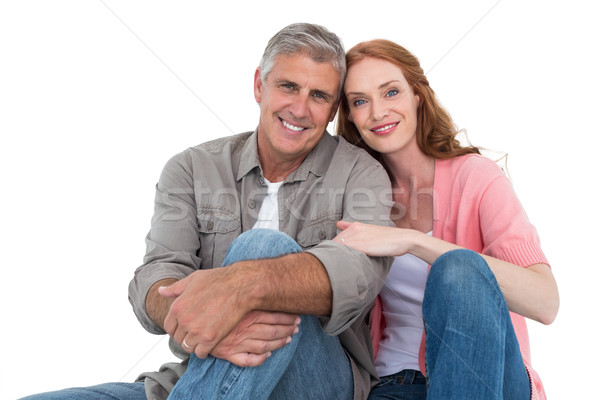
{"points": [[268, 216], [402, 298]]}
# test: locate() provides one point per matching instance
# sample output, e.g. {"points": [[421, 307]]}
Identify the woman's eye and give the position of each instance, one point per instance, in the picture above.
{"points": [[391, 93], [358, 102]]}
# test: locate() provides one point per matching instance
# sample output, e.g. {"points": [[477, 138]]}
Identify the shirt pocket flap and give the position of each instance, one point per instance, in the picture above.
{"points": [[216, 220], [217, 229], [316, 230]]}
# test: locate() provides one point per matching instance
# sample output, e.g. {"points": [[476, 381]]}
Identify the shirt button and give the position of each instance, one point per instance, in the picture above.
{"points": [[322, 235], [251, 203], [210, 225]]}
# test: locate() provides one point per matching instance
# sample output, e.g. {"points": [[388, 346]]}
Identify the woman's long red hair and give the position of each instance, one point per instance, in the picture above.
{"points": [[436, 132]]}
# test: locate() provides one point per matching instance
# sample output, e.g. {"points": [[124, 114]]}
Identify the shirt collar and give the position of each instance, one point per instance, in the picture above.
{"points": [[249, 157], [317, 161]]}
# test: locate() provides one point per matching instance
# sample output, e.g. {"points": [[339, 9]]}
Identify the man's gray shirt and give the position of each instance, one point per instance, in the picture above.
{"points": [[209, 194]]}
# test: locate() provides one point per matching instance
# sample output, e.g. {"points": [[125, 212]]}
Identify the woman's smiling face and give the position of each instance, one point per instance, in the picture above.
{"points": [[382, 105]]}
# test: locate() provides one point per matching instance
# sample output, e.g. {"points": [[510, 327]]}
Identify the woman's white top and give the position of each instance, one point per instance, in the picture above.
{"points": [[268, 216], [402, 298]]}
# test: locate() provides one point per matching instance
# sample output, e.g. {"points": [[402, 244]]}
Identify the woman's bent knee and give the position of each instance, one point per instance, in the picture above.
{"points": [[456, 267], [458, 278]]}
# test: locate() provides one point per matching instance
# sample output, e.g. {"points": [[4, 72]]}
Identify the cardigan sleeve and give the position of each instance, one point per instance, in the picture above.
{"points": [[506, 231]]}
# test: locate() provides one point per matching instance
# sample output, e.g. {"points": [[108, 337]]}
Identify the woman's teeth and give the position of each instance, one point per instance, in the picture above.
{"points": [[385, 127]]}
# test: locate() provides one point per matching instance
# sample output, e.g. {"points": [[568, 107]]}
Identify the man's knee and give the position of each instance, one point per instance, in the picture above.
{"points": [[261, 243]]}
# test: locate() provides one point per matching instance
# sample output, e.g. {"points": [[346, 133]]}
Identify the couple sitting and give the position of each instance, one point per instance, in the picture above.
{"points": [[314, 232]]}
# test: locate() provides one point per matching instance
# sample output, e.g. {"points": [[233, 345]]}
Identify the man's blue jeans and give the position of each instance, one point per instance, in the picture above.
{"points": [[312, 366], [472, 351], [105, 391]]}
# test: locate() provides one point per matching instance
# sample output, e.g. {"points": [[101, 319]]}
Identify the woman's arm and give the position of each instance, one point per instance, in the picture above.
{"points": [[531, 292]]}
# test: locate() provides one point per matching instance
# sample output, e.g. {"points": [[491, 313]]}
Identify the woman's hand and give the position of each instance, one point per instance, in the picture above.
{"points": [[530, 292], [375, 240]]}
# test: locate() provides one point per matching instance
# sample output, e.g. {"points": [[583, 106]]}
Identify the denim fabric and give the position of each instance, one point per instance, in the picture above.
{"points": [[312, 366], [405, 385], [106, 391], [209, 194], [256, 244], [471, 351]]}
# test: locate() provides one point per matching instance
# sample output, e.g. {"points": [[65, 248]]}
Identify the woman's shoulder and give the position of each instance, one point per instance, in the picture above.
{"points": [[470, 165], [471, 173]]}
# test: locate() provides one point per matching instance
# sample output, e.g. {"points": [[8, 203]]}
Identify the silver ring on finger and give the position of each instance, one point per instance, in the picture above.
{"points": [[186, 345]]}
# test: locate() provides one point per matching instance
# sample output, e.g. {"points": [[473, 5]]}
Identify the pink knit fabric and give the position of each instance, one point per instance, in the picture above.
{"points": [[475, 207]]}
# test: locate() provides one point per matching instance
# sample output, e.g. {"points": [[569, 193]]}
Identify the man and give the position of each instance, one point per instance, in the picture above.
{"points": [[234, 325]]}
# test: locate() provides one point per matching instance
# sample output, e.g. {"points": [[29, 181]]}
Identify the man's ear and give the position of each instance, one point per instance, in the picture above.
{"points": [[257, 85], [334, 110]]}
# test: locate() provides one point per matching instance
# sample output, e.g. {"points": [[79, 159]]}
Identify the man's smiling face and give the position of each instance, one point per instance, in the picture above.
{"points": [[297, 100]]}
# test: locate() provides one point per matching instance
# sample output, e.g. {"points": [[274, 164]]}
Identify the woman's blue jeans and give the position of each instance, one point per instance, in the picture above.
{"points": [[472, 351], [312, 366]]}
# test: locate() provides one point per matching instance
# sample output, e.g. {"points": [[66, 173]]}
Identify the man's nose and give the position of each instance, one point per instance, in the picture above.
{"points": [[299, 106]]}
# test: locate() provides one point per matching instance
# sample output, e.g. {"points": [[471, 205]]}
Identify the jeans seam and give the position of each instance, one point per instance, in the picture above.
{"points": [[230, 383]]}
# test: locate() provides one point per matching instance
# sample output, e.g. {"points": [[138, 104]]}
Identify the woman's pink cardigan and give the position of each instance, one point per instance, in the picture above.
{"points": [[475, 207]]}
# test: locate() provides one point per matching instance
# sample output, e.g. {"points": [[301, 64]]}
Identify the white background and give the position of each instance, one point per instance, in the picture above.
{"points": [[95, 96]]}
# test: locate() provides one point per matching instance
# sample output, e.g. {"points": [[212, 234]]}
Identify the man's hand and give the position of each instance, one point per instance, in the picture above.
{"points": [[210, 312], [256, 336], [208, 305]]}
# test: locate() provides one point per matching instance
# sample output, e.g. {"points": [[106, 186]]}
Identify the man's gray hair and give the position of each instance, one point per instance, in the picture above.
{"points": [[313, 40]]}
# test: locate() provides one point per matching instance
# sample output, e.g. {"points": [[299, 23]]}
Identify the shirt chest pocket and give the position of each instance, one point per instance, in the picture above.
{"points": [[317, 229], [217, 228]]}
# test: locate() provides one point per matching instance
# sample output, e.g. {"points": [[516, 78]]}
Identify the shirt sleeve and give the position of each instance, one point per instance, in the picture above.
{"points": [[356, 278], [172, 244]]}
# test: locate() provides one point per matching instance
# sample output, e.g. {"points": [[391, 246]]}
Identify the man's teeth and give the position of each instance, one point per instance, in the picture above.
{"points": [[385, 127], [292, 127]]}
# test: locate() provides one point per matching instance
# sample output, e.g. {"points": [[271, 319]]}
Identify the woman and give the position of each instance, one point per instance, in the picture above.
{"points": [[456, 212]]}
